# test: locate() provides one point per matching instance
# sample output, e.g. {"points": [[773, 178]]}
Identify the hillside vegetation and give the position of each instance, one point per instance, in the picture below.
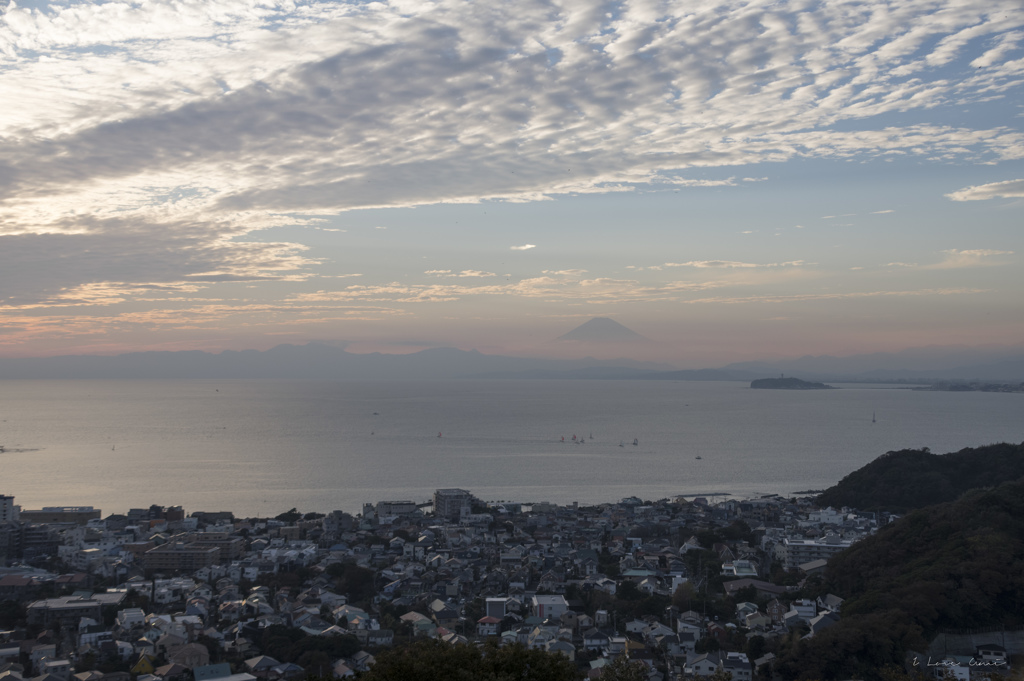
{"points": [[955, 565], [914, 478]]}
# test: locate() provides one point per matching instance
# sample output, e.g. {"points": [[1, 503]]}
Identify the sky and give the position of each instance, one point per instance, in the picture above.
{"points": [[732, 179]]}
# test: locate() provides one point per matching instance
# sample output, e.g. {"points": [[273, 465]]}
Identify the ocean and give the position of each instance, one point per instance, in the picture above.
{"points": [[264, 447]]}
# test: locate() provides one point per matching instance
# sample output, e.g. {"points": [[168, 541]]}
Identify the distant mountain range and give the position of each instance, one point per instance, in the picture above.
{"points": [[1005, 364], [313, 361], [319, 361]]}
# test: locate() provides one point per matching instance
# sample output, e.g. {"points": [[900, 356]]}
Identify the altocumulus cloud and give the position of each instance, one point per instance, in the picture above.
{"points": [[1011, 189], [189, 124]]}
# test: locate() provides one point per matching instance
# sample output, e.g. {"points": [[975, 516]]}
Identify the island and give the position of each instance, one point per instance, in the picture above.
{"points": [[783, 383]]}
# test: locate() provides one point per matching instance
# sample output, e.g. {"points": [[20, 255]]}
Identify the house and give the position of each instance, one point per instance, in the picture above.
{"points": [[443, 614], [594, 639], [705, 664], [261, 666], [991, 654], [951, 667], [822, 621], [172, 672], [738, 665], [564, 647], [829, 602], [548, 606], [487, 626], [776, 611]]}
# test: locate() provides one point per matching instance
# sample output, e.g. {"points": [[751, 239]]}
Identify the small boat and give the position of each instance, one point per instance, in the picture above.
{"points": [[872, 417], [622, 444], [698, 457], [439, 433], [635, 442]]}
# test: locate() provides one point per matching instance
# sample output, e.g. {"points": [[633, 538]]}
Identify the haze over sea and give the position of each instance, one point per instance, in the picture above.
{"points": [[262, 447]]}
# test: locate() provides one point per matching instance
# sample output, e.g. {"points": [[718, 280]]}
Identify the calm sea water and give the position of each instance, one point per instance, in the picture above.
{"points": [[262, 447]]}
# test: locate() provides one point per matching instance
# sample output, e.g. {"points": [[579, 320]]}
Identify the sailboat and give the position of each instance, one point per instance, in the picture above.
{"points": [[635, 442], [872, 417]]}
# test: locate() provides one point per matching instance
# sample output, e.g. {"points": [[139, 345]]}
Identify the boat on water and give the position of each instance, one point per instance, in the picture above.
{"points": [[872, 417], [622, 444], [635, 442], [698, 457]]}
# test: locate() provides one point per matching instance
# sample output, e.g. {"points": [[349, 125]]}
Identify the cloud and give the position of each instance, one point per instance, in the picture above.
{"points": [[731, 264], [882, 212], [684, 182], [155, 137], [1010, 189], [524, 247], [804, 297], [978, 257], [463, 273], [570, 273], [599, 290]]}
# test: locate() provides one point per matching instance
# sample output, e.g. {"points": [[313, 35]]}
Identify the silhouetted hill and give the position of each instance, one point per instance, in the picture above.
{"points": [[957, 565], [787, 384], [993, 364], [914, 478]]}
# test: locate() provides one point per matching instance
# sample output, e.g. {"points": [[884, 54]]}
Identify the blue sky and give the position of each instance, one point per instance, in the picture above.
{"points": [[733, 180]]}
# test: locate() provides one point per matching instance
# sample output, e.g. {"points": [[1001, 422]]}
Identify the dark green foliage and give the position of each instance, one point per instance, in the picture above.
{"points": [[622, 669], [289, 644], [914, 478], [437, 661], [353, 581], [12, 614], [957, 565], [756, 647], [289, 516]]}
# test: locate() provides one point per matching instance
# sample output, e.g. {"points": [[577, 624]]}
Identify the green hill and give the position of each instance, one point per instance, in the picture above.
{"points": [[914, 478], [954, 565]]}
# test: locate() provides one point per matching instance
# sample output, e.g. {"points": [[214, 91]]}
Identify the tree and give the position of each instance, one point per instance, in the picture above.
{"points": [[624, 669], [437, 661], [289, 516], [683, 596], [756, 646]]}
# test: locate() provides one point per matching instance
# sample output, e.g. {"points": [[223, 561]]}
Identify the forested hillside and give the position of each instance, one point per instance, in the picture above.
{"points": [[914, 478], [955, 565]]}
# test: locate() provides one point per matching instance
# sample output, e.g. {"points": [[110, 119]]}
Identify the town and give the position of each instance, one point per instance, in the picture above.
{"points": [[689, 587]]}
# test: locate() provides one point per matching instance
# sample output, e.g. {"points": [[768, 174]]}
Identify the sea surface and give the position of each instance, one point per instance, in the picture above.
{"points": [[263, 447]]}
